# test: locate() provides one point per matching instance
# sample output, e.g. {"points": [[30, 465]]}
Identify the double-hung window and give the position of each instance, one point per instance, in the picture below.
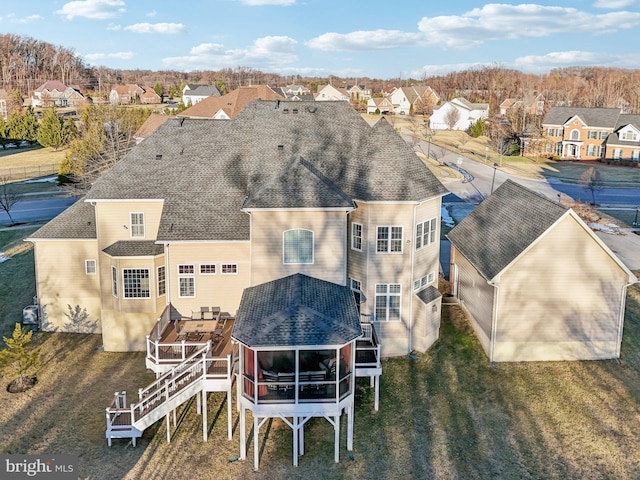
{"points": [[426, 233], [135, 282], [389, 240], [356, 236], [137, 225], [387, 304], [90, 267], [186, 281], [114, 281], [297, 246], [162, 281]]}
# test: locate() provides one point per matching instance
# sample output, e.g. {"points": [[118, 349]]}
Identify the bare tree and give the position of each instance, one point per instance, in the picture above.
{"points": [[452, 117], [592, 181], [8, 197]]}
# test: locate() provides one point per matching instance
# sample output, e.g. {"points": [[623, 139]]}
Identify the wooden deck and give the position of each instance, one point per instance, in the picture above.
{"points": [[220, 344]]}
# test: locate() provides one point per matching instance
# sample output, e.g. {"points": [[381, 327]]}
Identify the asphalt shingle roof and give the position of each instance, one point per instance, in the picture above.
{"points": [[204, 170], [503, 226], [296, 311], [77, 222], [134, 248], [593, 117], [429, 294]]}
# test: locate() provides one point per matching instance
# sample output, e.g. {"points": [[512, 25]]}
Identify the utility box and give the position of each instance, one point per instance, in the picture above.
{"points": [[30, 315]]}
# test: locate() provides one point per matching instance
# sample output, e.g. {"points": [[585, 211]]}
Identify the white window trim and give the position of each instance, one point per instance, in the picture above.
{"points": [[215, 269], [313, 246], [353, 236], [114, 281], [388, 251], [131, 225], [87, 262], [388, 296], [427, 233], [424, 281], [124, 293], [576, 136], [189, 275], [161, 294], [222, 272]]}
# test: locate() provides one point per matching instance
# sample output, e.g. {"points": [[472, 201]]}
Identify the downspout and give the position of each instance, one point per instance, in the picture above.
{"points": [[167, 273], [411, 259], [623, 300]]}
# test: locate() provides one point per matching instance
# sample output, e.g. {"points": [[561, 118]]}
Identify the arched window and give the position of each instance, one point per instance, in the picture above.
{"points": [[575, 134], [297, 246]]}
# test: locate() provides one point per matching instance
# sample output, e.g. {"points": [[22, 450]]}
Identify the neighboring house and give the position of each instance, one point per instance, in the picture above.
{"points": [[624, 142], [416, 99], [331, 93], [131, 93], [358, 92], [536, 282], [230, 105], [379, 105], [458, 114], [575, 133], [4, 114], [201, 210], [291, 90], [199, 93], [534, 106], [55, 93], [149, 126]]}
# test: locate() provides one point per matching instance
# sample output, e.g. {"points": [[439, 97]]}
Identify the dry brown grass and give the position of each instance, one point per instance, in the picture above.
{"points": [[29, 156], [448, 414]]}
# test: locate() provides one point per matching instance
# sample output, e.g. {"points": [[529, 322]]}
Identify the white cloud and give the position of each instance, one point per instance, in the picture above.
{"points": [[114, 27], [501, 21], [162, 28], [364, 40], [104, 56], [543, 63], [613, 4], [266, 52], [30, 18], [255, 3], [152, 13], [93, 9]]}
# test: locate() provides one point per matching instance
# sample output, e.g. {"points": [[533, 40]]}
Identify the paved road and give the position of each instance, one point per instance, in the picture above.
{"points": [[32, 210]]}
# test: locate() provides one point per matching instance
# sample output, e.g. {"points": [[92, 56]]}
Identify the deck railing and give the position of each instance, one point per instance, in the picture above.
{"points": [[171, 353], [370, 350]]}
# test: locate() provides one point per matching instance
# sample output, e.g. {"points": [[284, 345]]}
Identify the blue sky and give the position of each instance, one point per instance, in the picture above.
{"points": [[325, 37]]}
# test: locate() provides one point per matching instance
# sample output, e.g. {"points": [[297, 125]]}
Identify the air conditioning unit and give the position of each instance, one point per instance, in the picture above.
{"points": [[30, 315]]}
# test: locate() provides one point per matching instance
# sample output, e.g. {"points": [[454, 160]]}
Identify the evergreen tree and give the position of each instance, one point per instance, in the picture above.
{"points": [[158, 89], [477, 128], [3, 132], [30, 125], [15, 127], [22, 361], [69, 131], [50, 133]]}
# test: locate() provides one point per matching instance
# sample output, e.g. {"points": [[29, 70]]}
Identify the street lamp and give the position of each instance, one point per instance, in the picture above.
{"points": [[495, 166], [486, 154], [429, 146], [635, 222]]}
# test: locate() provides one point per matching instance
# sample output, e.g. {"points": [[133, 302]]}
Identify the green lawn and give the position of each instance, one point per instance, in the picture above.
{"points": [[448, 414]]}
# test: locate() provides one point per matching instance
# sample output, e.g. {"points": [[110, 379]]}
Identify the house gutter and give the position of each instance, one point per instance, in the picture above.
{"points": [[623, 299], [167, 273], [494, 322], [411, 255]]}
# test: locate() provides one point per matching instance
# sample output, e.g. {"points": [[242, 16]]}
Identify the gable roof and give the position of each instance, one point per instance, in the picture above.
{"points": [[204, 91], [503, 226], [77, 222], [51, 85], [203, 170], [296, 310], [592, 117], [299, 185], [150, 124], [232, 103]]}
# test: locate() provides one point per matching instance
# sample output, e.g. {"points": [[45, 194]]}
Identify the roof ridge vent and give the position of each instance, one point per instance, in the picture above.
{"points": [[312, 108], [159, 156]]}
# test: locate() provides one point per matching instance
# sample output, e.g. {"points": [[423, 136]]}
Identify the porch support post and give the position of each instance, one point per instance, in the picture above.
{"points": [[229, 407], [198, 405], [168, 422], [350, 427], [175, 419], [256, 443], [296, 441], [243, 433], [204, 415], [302, 438], [376, 395], [336, 440]]}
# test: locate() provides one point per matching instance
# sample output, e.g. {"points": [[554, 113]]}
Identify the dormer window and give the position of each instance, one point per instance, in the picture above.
{"points": [[629, 135]]}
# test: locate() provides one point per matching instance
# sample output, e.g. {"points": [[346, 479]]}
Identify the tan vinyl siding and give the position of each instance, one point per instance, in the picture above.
{"points": [[126, 333], [113, 217], [476, 297], [426, 259], [220, 289], [357, 260], [426, 326], [561, 300], [61, 282], [330, 258]]}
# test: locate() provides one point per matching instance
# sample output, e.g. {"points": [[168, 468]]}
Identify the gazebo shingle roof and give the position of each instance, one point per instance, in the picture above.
{"points": [[297, 310]]}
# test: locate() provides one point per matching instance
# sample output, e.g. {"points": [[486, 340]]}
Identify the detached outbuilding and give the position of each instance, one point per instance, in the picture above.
{"points": [[536, 282]]}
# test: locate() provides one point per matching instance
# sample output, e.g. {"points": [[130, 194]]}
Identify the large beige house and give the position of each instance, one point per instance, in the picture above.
{"points": [[203, 209], [536, 282]]}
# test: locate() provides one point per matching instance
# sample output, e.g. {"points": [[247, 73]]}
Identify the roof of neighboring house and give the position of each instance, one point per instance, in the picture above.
{"points": [[204, 170], [471, 106], [593, 117], [503, 226], [624, 120], [147, 91], [204, 91], [76, 222], [134, 248], [51, 85], [232, 103], [628, 119], [296, 310], [151, 124]]}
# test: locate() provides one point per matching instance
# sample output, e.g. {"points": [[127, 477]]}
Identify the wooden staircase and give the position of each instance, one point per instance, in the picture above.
{"points": [[158, 399]]}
